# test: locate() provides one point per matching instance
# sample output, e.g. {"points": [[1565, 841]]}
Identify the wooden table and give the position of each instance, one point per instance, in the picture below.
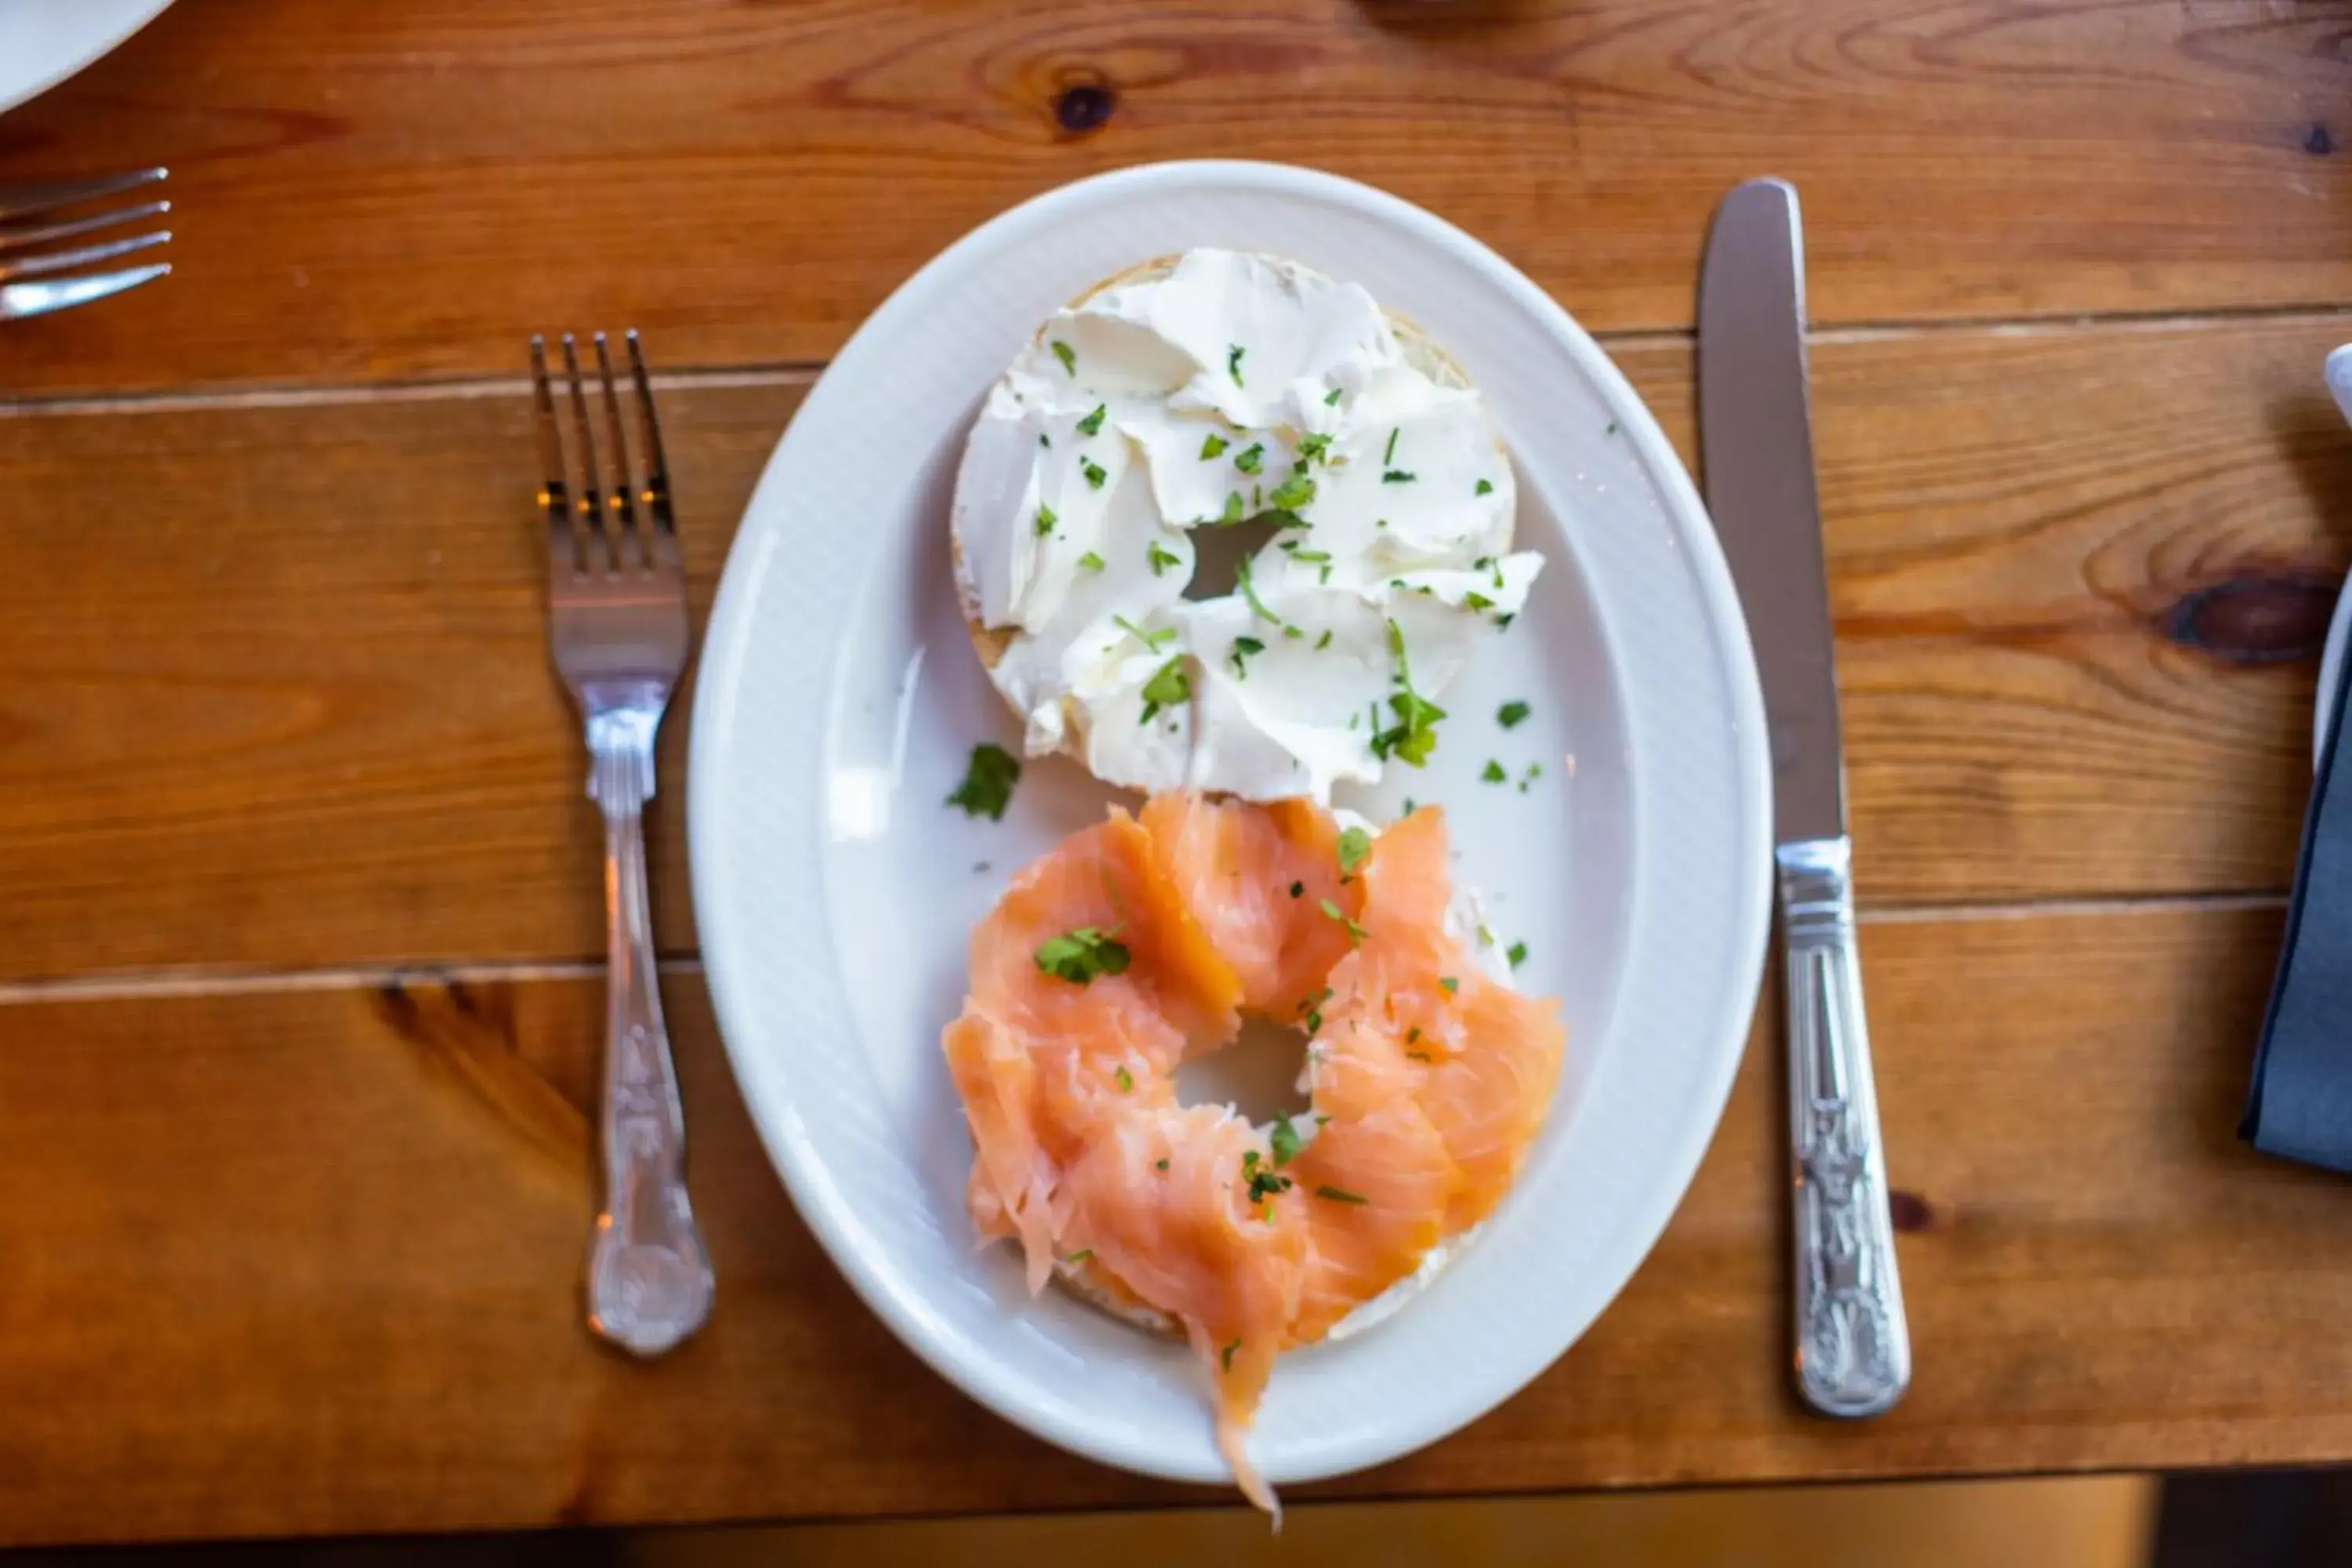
{"points": [[299, 980]]}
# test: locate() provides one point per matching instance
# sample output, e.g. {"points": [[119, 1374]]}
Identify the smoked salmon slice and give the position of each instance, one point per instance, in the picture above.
{"points": [[1141, 939]]}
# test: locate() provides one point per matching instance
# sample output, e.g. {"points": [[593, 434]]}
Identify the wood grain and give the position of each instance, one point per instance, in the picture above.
{"points": [[289, 1260], [280, 697], [397, 189]]}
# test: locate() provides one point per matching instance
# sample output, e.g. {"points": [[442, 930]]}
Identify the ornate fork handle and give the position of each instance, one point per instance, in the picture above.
{"points": [[649, 1280], [1853, 1348]]}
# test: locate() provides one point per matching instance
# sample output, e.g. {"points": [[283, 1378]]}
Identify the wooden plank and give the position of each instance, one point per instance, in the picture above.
{"points": [[399, 189], [278, 693], [306, 1260]]}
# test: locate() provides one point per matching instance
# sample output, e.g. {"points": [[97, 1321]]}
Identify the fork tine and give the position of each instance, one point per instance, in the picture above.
{"points": [[48, 233], [23, 201], [554, 496], [657, 491], [18, 300], [66, 260], [595, 545], [629, 548]]}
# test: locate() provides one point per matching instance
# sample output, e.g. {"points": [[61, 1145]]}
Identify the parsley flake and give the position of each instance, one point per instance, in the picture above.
{"points": [[1478, 601], [1494, 772], [1151, 640], [1125, 1079], [1449, 984], [1161, 1163], [1535, 772], [1294, 630], [1516, 952], [1396, 477], [1095, 472], [1214, 445], [1252, 459], [1340, 1195], [1162, 558], [1486, 488], [1333, 911], [1316, 446], [1236, 1344], [1091, 561], [1233, 513], [1285, 1140], [988, 781], [1080, 1255], [1067, 355], [1324, 641], [1511, 715], [1297, 888], [1414, 734], [1311, 555], [1291, 494], [1234, 362], [1044, 440], [1243, 648], [1388, 454], [1081, 956], [1092, 424], [1168, 686], [1355, 848], [1249, 592], [1331, 398], [1045, 521]]}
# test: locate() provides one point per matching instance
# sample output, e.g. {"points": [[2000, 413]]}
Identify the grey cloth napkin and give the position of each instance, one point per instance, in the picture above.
{"points": [[2300, 1104]]}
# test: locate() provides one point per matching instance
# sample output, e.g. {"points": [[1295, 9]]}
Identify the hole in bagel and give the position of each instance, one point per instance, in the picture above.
{"points": [[1258, 1074], [1218, 551]]}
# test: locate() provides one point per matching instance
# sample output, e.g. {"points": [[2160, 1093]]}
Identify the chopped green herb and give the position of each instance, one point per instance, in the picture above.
{"points": [[1080, 1255], [1413, 1034], [1333, 911], [1340, 1195], [1091, 561], [1249, 592], [1316, 445], [1297, 888], [1486, 488], [1125, 1079], [1355, 848], [1380, 523], [1408, 807], [1263, 1184], [1324, 641], [1233, 513], [1285, 1140], [1502, 623], [1081, 956], [1213, 445], [1095, 472], [1313, 1021], [1414, 734], [1396, 477], [1535, 772], [1151, 640], [1250, 459], [1449, 984], [1168, 686], [1331, 398], [1516, 952], [1511, 715], [1311, 555], [1478, 601], [1294, 631], [1044, 440], [1092, 424], [1243, 648], [1067, 355], [1236, 1344], [1162, 558], [1162, 1164], [1234, 362], [988, 781], [1389, 455], [1494, 772], [1292, 494], [1045, 521], [1613, 428]]}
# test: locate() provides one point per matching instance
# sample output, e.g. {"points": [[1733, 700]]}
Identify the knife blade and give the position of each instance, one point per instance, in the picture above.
{"points": [[1853, 1344]]}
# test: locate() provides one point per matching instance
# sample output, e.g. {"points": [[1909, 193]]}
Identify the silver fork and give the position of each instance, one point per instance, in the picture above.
{"points": [[617, 628], [28, 223]]}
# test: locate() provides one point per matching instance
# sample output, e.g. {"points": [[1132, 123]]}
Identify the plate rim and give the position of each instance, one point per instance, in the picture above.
{"points": [[136, 15], [729, 625]]}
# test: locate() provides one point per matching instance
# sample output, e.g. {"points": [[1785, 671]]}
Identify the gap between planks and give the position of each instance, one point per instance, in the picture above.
{"points": [[171, 984], [804, 373]]}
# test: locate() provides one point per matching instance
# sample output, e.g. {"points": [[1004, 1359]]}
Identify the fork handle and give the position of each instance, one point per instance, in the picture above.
{"points": [[649, 1280]]}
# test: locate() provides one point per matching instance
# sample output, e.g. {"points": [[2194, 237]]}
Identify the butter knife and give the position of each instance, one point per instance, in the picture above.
{"points": [[1853, 1346]]}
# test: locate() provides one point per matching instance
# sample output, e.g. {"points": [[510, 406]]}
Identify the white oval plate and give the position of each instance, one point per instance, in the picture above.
{"points": [[43, 42], [839, 700]]}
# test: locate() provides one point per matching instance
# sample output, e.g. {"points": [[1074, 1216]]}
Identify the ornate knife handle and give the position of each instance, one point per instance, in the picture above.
{"points": [[649, 1280], [1853, 1348]]}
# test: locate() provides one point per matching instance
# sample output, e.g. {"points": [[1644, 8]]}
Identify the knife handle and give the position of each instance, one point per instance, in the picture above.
{"points": [[1853, 1348]]}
